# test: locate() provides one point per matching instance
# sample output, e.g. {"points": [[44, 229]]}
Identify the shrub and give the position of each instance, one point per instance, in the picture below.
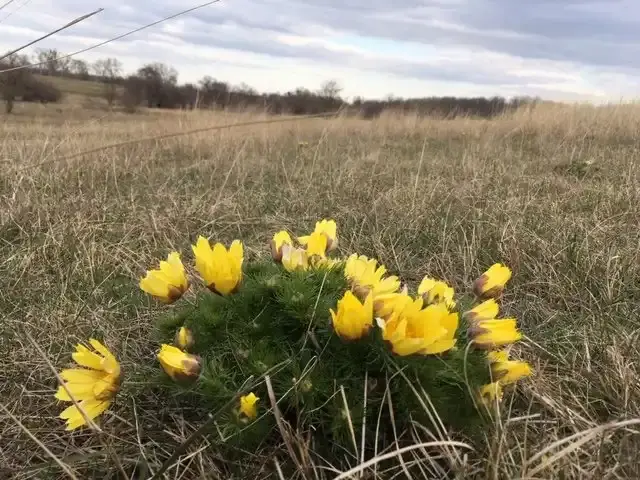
{"points": [[40, 91], [334, 341]]}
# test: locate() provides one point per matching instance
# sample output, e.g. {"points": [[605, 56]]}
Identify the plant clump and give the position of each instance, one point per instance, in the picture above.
{"points": [[345, 345]]}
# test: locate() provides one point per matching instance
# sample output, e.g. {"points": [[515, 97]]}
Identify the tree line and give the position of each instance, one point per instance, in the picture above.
{"points": [[155, 85]]}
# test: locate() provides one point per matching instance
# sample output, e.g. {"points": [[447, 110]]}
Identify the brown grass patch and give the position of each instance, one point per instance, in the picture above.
{"points": [[424, 196]]}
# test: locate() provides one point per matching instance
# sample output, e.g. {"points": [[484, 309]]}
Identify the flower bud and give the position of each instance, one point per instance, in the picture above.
{"points": [[495, 333], [178, 364], [486, 310], [277, 242], [248, 406], [184, 339], [492, 282]]}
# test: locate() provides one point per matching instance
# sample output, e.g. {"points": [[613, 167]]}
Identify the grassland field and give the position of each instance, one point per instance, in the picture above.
{"points": [[554, 192]]}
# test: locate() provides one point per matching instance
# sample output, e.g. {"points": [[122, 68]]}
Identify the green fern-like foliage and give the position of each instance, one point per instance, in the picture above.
{"points": [[279, 322]]}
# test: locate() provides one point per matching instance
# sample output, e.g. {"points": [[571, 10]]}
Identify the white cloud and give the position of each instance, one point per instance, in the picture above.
{"points": [[373, 48]]}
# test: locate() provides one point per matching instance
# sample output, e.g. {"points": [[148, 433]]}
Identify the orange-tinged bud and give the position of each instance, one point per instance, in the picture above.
{"points": [[492, 282]]}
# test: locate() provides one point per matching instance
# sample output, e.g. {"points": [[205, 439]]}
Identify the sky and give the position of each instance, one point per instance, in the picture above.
{"points": [[566, 50]]}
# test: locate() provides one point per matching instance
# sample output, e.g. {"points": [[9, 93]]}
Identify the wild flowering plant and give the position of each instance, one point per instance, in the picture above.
{"points": [[341, 339]]}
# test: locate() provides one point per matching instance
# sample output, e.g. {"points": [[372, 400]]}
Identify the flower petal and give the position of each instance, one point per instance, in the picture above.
{"points": [[81, 375], [92, 408], [86, 358]]}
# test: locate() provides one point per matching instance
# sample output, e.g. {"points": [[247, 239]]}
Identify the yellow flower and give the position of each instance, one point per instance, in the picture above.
{"points": [[491, 393], [507, 371], [93, 386], [317, 244], [354, 319], [366, 276], [279, 240], [324, 262], [417, 330], [436, 291], [384, 305], [498, 356], [294, 258], [487, 310], [184, 338], [447, 342], [494, 333], [491, 283], [178, 364], [329, 229], [169, 282], [248, 405], [220, 268]]}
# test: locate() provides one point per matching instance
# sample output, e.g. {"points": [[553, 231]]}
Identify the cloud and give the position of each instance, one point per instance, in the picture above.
{"points": [[560, 49]]}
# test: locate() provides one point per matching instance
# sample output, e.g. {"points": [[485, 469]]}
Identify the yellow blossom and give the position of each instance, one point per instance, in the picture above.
{"points": [[328, 228], [418, 330], [487, 310], [498, 356], [436, 291], [184, 338], [366, 276], [384, 305], [492, 282], [494, 333], [248, 405], [324, 262], [178, 364], [279, 240], [92, 387], [220, 268], [447, 342], [294, 258], [317, 245], [353, 319], [507, 371], [491, 393], [167, 283]]}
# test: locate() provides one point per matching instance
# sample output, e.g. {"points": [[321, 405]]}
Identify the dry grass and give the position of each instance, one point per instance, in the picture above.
{"points": [[554, 192]]}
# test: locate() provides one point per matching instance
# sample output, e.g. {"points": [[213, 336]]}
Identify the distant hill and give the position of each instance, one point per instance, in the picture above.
{"points": [[74, 86]]}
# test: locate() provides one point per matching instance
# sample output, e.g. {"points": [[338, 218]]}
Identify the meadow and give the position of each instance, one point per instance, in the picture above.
{"points": [[553, 191]]}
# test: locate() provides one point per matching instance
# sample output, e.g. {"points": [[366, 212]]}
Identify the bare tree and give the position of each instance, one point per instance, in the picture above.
{"points": [[109, 70], [245, 89], [159, 84], [331, 89], [64, 66], [79, 68], [12, 83], [50, 60]]}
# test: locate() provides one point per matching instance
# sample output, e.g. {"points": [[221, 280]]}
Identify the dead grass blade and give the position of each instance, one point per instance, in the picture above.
{"points": [[44, 448], [580, 438], [396, 453]]}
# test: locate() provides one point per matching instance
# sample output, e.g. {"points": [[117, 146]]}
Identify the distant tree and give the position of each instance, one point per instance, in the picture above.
{"points": [[50, 61], [331, 89], [64, 65], [164, 73], [156, 85], [109, 71], [245, 89], [133, 94], [213, 93], [189, 94], [79, 68], [159, 82], [21, 84], [12, 83]]}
